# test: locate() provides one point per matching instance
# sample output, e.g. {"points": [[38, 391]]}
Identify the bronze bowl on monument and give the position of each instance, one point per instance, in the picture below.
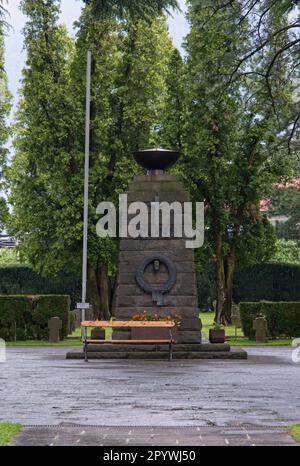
{"points": [[156, 159]]}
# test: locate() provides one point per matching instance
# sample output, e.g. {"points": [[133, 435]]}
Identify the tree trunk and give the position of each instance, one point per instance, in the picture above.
{"points": [[93, 292], [229, 274], [220, 278], [104, 290], [113, 297], [98, 290]]}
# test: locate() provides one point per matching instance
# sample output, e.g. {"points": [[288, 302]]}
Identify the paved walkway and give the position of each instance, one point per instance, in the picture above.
{"points": [[38, 386], [147, 436]]}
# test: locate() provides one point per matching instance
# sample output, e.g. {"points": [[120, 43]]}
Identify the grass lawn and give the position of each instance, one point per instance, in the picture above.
{"points": [[76, 341], [77, 333], [246, 342], [208, 320], [44, 343], [7, 432], [294, 431]]}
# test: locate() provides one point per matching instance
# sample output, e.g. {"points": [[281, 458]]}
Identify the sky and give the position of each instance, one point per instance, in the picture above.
{"points": [[70, 11]]}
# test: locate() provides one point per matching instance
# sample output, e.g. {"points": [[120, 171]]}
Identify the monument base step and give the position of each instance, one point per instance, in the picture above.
{"points": [[182, 347], [160, 352]]}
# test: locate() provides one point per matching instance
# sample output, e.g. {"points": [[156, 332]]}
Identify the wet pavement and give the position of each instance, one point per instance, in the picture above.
{"points": [[38, 386]]}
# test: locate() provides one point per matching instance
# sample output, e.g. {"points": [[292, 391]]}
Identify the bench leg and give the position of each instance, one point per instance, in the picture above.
{"points": [[86, 359], [171, 350], [171, 345]]}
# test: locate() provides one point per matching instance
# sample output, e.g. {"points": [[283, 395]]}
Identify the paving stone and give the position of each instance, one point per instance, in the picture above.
{"points": [[146, 436], [38, 386]]}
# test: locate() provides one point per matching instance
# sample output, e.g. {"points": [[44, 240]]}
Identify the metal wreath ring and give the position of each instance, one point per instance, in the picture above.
{"points": [[156, 289]]}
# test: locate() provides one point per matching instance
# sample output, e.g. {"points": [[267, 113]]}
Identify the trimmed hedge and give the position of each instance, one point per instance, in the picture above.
{"points": [[267, 282], [26, 317], [283, 318], [19, 280]]}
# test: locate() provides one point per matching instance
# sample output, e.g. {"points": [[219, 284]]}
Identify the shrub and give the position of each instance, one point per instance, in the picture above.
{"points": [[26, 317], [72, 321], [9, 257], [19, 280], [283, 318], [267, 281]]}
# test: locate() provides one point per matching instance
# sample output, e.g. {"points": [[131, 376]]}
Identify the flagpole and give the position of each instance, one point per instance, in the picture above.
{"points": [[84, 305]]}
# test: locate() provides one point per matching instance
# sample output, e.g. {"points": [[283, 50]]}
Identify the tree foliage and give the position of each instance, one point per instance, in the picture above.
{"points": [[9, 257], [128, 8], [5, 106], [232, 136], [274, 38], [5, 103], [286, 201], [170, 133], [129, 69], [3, 13], [231, 107], [287, 251], [45, 144]]}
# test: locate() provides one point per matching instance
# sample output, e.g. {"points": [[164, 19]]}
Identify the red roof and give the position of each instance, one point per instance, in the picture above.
{"points": [[264, 205], [291, 183]]}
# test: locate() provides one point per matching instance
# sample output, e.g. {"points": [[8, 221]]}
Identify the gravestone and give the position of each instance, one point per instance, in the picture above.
{"points": [[261, 328], [236, 315], [54, 325], [157, 275]]}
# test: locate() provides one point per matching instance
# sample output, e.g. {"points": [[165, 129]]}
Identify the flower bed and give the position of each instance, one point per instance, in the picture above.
{"points": [[155, 333]]}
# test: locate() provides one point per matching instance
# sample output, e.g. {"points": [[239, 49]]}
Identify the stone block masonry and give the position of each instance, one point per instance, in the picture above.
{"points": [[182, 297]]}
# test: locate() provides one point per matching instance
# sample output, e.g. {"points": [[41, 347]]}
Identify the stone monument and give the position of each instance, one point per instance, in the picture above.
{"points": [[156, 272], [157, 275]]}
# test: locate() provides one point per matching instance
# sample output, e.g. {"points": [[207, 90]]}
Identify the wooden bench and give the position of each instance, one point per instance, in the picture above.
{"points": [[126, 324]]}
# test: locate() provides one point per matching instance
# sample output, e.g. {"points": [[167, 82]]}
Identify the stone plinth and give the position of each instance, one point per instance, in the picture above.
{"points": [[160, 352], [182, 297]]}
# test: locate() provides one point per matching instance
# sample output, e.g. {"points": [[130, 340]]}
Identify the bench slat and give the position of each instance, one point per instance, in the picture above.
{"points": [[126, 342], [126, 324]]}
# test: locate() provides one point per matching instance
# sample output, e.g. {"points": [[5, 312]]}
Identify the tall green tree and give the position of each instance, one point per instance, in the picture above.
{"points": [[287, 251], [264, 146], [212, 125], [231, 138], [131, 8], [285, 201], [3, 11], [46, 149], [5, 107], [170, 134], [129, 69], [274, 39]]}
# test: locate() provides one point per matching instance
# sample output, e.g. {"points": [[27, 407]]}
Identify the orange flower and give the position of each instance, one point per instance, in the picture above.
{"points": [[156, 317]]}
